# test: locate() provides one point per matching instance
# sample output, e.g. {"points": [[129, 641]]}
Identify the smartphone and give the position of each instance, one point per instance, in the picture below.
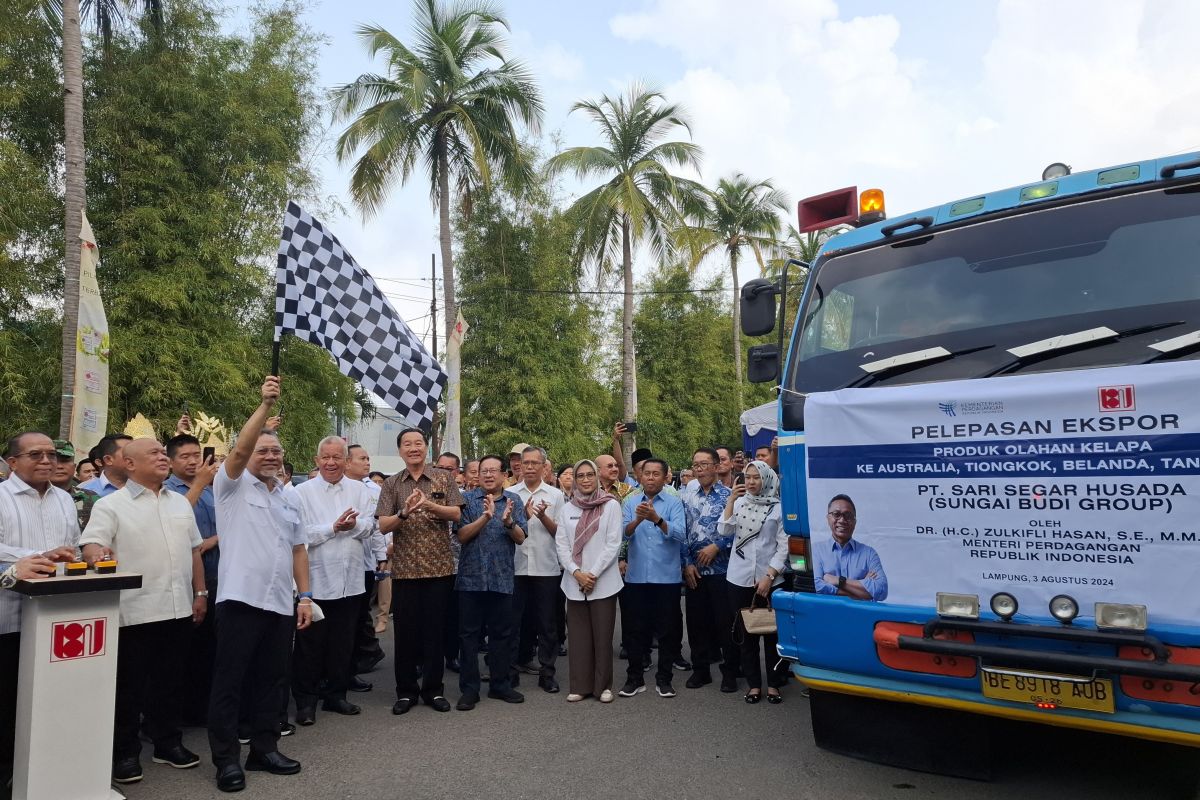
{"points": [[630, 427], [739, 479], [438, 495], [207, 453]]}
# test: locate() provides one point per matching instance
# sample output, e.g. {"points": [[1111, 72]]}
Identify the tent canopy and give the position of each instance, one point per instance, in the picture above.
{"points": [[759, 425]]}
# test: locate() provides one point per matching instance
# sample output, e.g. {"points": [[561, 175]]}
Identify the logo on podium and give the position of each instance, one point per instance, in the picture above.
{"points": [[81, 638]]}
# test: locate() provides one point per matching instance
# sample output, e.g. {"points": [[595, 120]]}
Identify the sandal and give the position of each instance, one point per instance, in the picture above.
{"points": [[753, 697], [774, 699]]}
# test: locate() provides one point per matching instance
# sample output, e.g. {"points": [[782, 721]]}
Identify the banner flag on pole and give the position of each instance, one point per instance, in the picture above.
{"points": [[323, 296], [451, 442], [89, 412]]}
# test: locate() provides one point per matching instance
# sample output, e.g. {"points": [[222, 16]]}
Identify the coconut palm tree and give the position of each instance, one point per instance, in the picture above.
{"points": [[75, 197], [450, 105], [739, 213], [639, 202]]}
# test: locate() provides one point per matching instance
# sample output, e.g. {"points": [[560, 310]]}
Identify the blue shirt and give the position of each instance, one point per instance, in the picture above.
{"points": [[100, 485], [655, 557], [486, 561], [703, 512], [206, 520], [854, 562]]}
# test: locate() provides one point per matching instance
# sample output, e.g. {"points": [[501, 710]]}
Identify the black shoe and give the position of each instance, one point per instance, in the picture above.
{"points": [[438, 703], [774, 699], [728, 684], [127, 770], [368, 664], [230, 778], [753, 698], [623, 654], [246, 739], [681, 664], [453, 665], [275, 763], [562, 650], [403, 705], [548, 684], [664, 689], [341, 706], [305, 716], [530, 668], [509, 696], [285, 729], [467, 702], [357, 684], [699, 678], [631, 688], [177, 756]]}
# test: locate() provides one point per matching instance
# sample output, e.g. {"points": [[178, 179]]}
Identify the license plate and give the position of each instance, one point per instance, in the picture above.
{"points": [[1047, 689]]}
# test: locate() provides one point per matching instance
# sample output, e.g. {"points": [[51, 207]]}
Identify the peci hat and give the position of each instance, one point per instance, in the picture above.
{"points": [[64, 449]]}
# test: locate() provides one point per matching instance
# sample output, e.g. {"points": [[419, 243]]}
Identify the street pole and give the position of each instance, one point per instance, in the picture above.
{"points": [[433, 433]]}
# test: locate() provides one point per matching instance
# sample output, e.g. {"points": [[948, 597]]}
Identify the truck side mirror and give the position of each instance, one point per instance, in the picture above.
{"points": [[764, 363], [758, 308]]}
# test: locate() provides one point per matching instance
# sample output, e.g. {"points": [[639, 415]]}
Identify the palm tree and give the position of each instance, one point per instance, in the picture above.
{"points": [[449, 104], [76, 200], [639, 201], [739, 213]]}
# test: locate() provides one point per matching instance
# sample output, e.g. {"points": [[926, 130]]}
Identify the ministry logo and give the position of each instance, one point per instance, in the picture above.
{"points": [[964, 408], [949, 409]]}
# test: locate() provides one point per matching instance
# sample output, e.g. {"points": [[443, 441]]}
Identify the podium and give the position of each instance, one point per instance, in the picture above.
{"points": [[66, 694]]}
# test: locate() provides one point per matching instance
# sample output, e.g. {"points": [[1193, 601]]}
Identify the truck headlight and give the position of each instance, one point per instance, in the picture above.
{"points": [[1004, 605], [1064, 608], [962, 606], [1120, 616]]}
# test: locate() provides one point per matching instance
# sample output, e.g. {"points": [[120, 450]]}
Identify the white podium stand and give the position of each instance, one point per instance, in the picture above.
{"points": [[66, 693]]}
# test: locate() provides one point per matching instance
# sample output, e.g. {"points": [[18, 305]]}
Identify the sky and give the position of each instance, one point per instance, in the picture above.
{"points": [[929, 101]]}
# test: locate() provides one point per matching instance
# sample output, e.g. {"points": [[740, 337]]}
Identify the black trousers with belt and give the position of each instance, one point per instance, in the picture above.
{"points": [[254, 647], [648, 609], [324, 650], [150, 674], [419, 622]]}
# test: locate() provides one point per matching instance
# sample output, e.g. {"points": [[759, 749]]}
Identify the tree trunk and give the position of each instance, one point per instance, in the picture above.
{"points": [[737, 328], [75, 202], [453, 397], [628, 362]]}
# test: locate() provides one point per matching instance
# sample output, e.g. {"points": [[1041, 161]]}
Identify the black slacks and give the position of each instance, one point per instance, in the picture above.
{"points": [[777, 670], [10, 663], [648, 609], [535, 600], [708, 625], [494, 609], [419, 622], [254, 647], [367, 651], [150, 662], [202, 651], [325, 650]]}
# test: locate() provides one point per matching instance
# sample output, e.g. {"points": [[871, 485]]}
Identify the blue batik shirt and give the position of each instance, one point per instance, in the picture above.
{"points": [[703, 511], [206, 520], [486, 562]]}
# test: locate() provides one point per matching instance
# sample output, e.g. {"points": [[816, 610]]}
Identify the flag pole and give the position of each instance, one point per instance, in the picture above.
{"points": [[275, 357]]}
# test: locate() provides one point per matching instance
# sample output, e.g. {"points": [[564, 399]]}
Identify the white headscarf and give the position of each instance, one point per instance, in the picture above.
{"points": [[756, 508]]}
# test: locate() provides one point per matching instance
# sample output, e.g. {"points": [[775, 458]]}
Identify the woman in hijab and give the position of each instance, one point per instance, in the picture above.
{"points": [[760, 546], [588, 539]]}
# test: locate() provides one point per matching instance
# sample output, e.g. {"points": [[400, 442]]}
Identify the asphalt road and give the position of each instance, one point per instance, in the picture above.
{"points": [[700, 744]]}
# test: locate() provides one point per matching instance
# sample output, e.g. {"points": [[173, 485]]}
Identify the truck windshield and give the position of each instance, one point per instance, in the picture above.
{"points": [[1126, 262]]}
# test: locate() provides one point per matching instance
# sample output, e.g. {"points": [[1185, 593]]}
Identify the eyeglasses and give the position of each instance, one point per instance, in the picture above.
{"points": [[701, 464], [490, 471], [39, 455], [268, 451], [846, 515]]}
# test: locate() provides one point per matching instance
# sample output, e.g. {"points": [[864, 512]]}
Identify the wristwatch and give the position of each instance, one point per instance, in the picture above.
{"points": [[841, 581], [201, 593], [8, 578], [403, 515]]}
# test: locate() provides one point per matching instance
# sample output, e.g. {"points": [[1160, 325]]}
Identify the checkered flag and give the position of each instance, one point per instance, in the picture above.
{"points": [[324, 297]]}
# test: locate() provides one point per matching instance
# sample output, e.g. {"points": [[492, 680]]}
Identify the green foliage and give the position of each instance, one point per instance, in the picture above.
{"points": [[196, 140], [529, 372]]}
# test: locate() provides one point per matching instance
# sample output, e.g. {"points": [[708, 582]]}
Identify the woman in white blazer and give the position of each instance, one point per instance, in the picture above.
{"points": [[588, 540]]}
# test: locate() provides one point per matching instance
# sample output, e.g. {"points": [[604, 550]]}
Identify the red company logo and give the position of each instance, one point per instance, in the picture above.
{"points": [[81, 638], [1116, 398]]}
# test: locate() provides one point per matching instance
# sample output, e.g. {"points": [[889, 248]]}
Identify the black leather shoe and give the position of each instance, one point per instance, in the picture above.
{"points": [[368, 664], [341, 706], [357, 684], [275, 763], [438, 703], [403, 705], [285, 729], [510, 696], [453, 664], [467, 702], [728, 684], [306, 716], [548, 684], [127, 770], [699, 678], [230, 778], [177, 756]]}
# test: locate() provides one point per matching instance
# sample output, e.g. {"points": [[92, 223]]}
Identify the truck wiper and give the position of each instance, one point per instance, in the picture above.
{"points": [[1174, 347], [877, 370], [1080, 340]]}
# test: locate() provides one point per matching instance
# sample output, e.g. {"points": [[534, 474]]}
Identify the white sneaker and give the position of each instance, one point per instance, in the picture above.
{"points": [[574, 698], [606, 696]]}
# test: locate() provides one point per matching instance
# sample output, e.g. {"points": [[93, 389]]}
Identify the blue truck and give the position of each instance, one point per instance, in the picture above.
{"points": [[1079, 278]]}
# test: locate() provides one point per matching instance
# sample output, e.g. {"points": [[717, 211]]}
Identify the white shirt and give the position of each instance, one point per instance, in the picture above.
{"points": [[335, 557], [259, 527], [30, 524], [374, 547], [153, 534], [537, 554], [599, 554], [769, 549]]}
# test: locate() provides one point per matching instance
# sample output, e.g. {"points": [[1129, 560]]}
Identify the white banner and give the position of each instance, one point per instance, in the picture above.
{"points": [[89, 413], [1083, 483], [451, 441]]}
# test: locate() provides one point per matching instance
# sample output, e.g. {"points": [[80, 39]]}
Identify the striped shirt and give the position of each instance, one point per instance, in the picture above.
{"points": [[30, 524]]}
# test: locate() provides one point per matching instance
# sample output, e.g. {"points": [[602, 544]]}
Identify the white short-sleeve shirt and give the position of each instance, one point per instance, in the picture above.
{"points": [[537, 555], [31, 523]]}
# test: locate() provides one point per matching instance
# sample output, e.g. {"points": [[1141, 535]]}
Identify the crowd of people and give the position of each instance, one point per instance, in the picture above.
{"points": [[259, 595]]}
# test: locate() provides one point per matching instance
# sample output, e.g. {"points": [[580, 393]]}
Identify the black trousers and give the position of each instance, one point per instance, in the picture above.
{"points": [[367, 651], [453, 646], [648, 609], [419, 622], [150, 661], [201, 652], [10, 664], [709, 618], [476, 609], [254, 647], [535, 600], [777, 669], [324, 650]]}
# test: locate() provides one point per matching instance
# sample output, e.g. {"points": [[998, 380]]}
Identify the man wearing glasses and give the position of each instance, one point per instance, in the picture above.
{"points": [[843, 566]]}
